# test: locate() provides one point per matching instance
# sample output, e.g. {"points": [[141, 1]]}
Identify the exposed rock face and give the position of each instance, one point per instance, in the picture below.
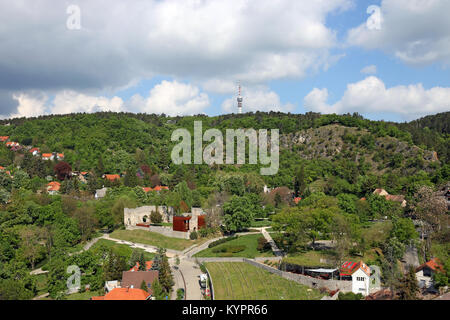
{"points": [[287, 140]]}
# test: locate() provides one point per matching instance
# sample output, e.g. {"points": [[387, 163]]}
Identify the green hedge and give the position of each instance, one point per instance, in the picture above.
{"points": [[224, 240]]}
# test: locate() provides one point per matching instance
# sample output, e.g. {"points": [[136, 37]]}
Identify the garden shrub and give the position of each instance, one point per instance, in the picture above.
{"points": [[193, 235], [224, 240]]}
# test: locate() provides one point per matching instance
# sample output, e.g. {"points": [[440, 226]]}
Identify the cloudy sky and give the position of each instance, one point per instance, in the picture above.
{"points": [[385, 59]]}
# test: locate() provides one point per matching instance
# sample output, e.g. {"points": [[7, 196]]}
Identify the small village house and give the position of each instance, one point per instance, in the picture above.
{"points": [[100, 193], [53, 187], [124, 294], [359, 273], [48, 156], [395, 198], [426, 271]]}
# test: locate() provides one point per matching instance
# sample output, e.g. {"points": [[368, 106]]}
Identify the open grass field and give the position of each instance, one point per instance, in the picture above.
{"points": [[323, 258], [242, 281], [121, 249], [154, 239], [249, 241], [85, 295]]}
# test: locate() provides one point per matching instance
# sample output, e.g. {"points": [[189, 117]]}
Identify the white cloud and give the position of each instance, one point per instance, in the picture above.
{"points": [[172, 98], [29, 105], [258, 99], [69, 101], [372, 69], [203, 39], [370, 96], [415, 31]]}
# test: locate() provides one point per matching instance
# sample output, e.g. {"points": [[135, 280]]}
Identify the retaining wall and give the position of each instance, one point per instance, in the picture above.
{"points": [[165, 231]]}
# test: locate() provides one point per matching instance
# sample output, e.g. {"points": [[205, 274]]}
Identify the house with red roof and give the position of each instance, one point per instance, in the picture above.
{"points": [[297, 200], [148, 266], [60, 156], [395, 198], [426, 272], [4, 138], [35, 151], [359, 273], [53, 187], [156, 189], [125, 294], [47, 156], [112, 177]]}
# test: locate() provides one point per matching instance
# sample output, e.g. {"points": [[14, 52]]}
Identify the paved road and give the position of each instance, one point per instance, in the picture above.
{"points": [[191, 273]]}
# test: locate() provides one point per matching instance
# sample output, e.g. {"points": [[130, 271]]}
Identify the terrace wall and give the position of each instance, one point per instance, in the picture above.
{"points": [[165, 231]]}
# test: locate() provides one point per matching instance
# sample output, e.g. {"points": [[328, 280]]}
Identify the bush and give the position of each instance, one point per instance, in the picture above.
{"points": [[229, 249], [193, 235], [156, 217], [221, 241], [350, 296], [263, 245]]}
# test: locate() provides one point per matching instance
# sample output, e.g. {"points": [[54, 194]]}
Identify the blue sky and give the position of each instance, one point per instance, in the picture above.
{"points": [[186, 57]]}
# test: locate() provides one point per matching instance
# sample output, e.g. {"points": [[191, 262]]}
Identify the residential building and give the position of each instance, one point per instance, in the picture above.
{"points": [[156, 189], [396, 198], [53, 187], [124, 294], [111, 177], [134, 279], [148, 266], [359, 273], [60, 156], [35, 151], [111, 285], [426, 271], [100, 193], [48, 156], [4, 138]]}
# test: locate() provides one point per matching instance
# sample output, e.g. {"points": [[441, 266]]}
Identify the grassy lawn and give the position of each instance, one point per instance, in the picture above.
{"points": [[313, 258], [85, 295], [121, 249], [261, 223], [242, 281], [41, 283], [310, 258], [154, 239], [249, 241]]}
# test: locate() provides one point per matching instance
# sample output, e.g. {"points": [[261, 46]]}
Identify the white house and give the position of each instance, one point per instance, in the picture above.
{"points": [[425, 273], [101, 193], [360, 275]]}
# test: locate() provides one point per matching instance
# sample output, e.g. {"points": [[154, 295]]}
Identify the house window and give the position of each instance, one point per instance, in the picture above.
{"points": [[360, 279]]}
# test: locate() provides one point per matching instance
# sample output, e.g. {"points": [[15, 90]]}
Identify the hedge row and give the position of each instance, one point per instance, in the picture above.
{"points": [[218, 242]]}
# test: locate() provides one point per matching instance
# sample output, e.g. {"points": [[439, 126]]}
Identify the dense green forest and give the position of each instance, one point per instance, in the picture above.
{"points": [[330, 161]]}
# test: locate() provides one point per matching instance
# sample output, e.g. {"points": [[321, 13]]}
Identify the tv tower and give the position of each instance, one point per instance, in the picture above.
{"points": [[240, 100]]}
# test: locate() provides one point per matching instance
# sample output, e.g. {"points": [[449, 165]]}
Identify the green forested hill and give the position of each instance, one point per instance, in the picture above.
{"points": [[343, 147]]}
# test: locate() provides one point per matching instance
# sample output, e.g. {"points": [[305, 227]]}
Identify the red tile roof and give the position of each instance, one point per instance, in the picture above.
{"points": [[297, 200], [4, 138], [434, 264], [348, 268], [47, 155], [112, 177], [157, 188], [124, 294], [53, 186], [148, 266]]}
